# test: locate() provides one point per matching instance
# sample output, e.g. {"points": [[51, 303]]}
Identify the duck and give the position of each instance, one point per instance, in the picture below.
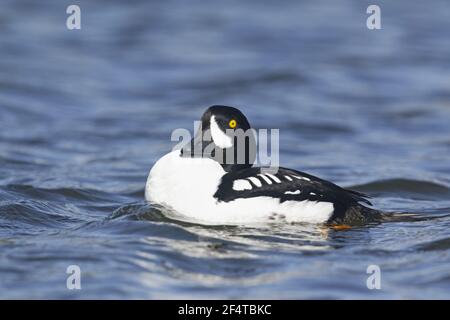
{"points": [[213, 179]]}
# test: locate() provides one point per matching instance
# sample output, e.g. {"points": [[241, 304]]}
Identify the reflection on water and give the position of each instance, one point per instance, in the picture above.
{"points": [[85, 114]]}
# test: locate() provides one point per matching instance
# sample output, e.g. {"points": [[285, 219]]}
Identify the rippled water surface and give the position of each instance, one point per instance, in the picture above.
{"points": [[86, 113]]}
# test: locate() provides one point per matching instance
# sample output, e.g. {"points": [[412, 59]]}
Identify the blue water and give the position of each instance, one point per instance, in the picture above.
{"points": [[86, 113]]}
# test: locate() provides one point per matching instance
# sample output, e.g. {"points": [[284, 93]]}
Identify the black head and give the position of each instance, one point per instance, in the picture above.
{"points": [[225, 135]]}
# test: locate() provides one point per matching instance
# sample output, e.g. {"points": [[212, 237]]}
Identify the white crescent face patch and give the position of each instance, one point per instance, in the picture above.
{"points": [[220, 138]]}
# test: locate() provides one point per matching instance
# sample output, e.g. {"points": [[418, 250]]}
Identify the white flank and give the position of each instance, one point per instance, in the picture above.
{"points": [[220, 138], [293, 192], [240, 185]]}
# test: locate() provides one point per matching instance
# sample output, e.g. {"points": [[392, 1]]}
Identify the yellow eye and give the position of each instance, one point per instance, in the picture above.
{"points": [[232, 124]]}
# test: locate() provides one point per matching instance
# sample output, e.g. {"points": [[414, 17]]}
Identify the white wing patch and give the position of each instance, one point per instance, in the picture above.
{"points": [[265, 178], [293, 192], [288, 178], [220, 138], [301, 178], [255, 181], [241, 185], [274, 178]]}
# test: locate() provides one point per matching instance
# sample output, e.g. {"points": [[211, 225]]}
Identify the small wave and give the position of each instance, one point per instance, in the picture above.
{"points": [[25, 214], [421, 189], [16, 160], [318, 128], [147, 212], [64, 193], [441, 244]]}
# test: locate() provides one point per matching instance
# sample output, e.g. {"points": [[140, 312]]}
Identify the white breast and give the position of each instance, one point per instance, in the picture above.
{"points": [[187, 185]]}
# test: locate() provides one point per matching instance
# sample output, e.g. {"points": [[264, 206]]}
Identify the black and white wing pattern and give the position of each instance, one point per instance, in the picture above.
{"points": [[286, 185]]}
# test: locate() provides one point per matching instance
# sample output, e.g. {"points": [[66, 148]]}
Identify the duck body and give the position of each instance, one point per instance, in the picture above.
{"points": [[202, 189]]}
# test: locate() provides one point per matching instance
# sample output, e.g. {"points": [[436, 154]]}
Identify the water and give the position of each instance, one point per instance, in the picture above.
{"points": [[85, 114]]}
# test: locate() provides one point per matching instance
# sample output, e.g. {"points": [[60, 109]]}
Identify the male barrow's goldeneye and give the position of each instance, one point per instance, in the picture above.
{"points": [[198, 183]]}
